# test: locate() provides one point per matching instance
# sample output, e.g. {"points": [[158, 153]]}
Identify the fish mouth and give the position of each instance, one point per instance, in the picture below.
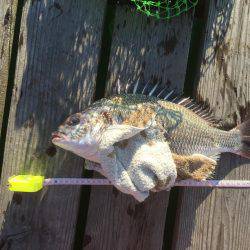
{"points": [[58, 136]]}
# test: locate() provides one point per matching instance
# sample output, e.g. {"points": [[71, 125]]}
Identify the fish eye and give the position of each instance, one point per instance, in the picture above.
{"points": [[73, 121]]}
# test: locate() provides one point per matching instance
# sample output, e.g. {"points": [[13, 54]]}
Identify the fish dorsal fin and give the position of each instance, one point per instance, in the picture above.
{"points": [[149, 89], [164, 93], [201, 110]]}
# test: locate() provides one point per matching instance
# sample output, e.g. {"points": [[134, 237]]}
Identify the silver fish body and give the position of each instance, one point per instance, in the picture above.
{"points": [[185, 131]]}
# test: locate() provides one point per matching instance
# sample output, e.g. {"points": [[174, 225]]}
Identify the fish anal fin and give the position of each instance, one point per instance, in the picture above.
{"points": [[196, 166]]}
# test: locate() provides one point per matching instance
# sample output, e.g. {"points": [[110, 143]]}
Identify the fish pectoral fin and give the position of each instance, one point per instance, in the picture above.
{"points": [[116, 133]]}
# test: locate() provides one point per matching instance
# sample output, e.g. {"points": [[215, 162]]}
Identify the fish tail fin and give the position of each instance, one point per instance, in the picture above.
{"points": [[244, 129]]}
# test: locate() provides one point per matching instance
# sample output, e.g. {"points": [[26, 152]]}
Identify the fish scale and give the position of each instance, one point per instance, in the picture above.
{"points": [[186, 126], [186, 132]]}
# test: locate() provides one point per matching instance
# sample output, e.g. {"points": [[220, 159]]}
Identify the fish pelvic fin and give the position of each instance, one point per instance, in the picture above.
{"points": [[244, 129]]}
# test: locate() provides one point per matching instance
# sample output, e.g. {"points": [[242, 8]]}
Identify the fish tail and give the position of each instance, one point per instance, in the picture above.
{"points": [[244, 129]]}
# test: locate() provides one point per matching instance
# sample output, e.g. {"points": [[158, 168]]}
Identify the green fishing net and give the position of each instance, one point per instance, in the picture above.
{"points": [[164, 9]]}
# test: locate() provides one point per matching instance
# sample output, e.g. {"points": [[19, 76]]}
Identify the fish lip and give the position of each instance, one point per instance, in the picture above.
{"points": [[58, 136]]}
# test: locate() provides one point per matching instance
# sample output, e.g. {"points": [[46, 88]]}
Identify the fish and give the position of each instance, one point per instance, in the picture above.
{"points": [[187, 132], [182, 127]]}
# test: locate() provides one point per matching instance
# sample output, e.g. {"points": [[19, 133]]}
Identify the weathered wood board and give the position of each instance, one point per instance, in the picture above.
{"points": [[58, 54], [219, 219], [7, 23], [149, 51]]}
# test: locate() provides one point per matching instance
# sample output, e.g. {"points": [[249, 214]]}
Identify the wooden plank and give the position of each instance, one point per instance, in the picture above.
{"points": [[152, 51], [219, 219], [7, 23], [58, 54]]}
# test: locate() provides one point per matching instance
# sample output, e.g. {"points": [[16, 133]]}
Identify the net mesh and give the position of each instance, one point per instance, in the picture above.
{"points": [[164, 9]]}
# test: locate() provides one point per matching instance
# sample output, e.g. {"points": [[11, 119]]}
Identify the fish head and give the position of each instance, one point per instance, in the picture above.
{"points": [[81, 134]]}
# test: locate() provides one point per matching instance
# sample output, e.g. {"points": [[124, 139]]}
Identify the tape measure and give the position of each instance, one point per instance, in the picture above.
{"points": [[33, 183]]}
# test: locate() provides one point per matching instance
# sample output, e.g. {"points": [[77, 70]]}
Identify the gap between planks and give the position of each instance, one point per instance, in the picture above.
{"points": [[10, 17]]}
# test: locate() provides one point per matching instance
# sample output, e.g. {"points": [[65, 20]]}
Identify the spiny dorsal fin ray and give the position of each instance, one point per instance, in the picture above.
{"points": [[169, 95], [200, 110], [153, 90], [136, 87]]}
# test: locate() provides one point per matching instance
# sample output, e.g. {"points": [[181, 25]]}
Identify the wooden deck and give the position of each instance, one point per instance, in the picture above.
{"points": [[56, 57]]}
